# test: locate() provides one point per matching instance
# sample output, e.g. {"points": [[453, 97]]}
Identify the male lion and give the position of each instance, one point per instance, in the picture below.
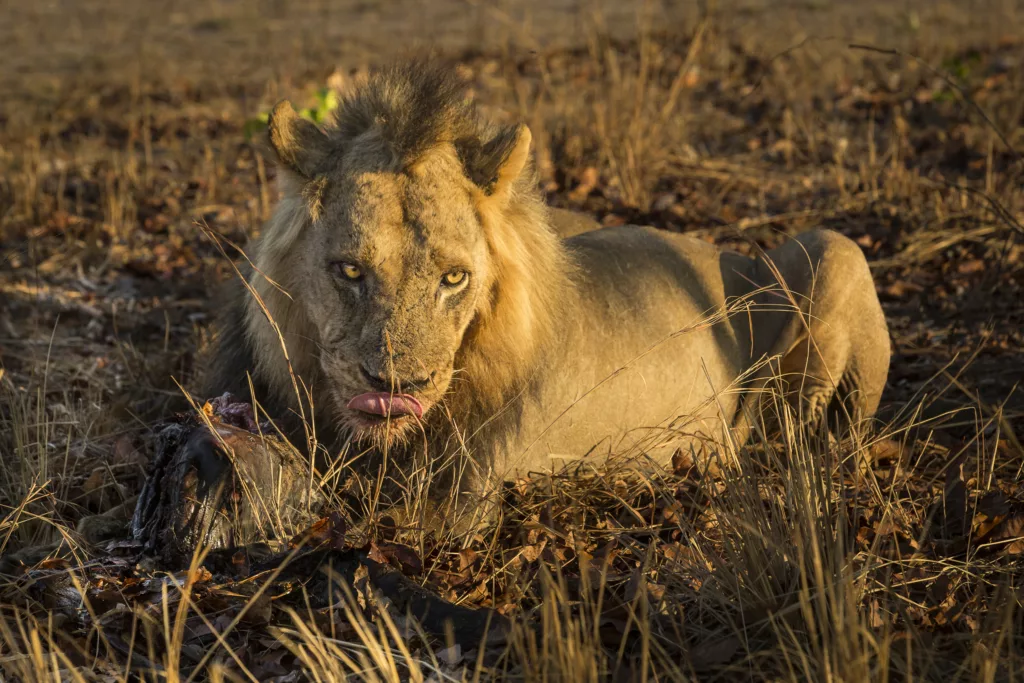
{"points": [[411, 282]]}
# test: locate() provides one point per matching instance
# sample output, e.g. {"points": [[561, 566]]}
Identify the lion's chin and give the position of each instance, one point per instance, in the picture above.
{"points": [[380, 432]]}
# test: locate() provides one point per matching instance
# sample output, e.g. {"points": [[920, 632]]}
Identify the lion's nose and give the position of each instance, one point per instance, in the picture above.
{"points": [[381, 381]]}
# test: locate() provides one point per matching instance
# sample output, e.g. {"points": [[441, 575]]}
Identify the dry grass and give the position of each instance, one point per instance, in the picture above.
{"points": [[795, 569]]}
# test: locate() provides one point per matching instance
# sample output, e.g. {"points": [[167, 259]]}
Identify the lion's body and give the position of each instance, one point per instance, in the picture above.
{"points": [[660, 343], [612, 339]]}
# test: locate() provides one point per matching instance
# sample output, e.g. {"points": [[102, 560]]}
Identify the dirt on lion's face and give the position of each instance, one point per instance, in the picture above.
{"points": [[393, 271]]}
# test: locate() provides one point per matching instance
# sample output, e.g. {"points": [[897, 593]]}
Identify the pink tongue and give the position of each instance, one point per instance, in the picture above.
{"points": [[381, 403]]}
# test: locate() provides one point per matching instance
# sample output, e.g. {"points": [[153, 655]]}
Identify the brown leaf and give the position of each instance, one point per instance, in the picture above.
{"points": [[199, 575], [887, 449], [376, 555], [673, 512], [467, 558], [601, 561], [259, 611], [878, 619], [970, 266], [240, 563], [53, 563], [96, 481], [401, 556], [315, 535], [124, 451], [326, 530], [688, 558], [682, 462], [1012, 530], [531, 553], [899, 288]]}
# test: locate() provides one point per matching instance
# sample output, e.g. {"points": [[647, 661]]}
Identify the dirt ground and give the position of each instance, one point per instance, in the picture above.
{"points": [[901, 124]]}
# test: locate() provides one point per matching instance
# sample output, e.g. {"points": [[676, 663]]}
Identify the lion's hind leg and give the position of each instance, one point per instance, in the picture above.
{"points": [[834, 350], [811, 375]]}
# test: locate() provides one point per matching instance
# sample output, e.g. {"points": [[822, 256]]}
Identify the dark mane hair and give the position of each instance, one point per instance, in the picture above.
{"points": [[415, 106]]}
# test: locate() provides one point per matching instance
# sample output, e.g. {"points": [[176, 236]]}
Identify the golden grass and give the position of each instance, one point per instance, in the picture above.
{"points": [[765, 574]]}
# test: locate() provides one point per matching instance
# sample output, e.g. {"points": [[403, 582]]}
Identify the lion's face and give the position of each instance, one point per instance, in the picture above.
{"points": [[391, 274], [401, 224]]}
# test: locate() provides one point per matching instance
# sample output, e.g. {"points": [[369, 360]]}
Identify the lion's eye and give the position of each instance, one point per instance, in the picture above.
{"points": [[349, 271], [454, 278]]}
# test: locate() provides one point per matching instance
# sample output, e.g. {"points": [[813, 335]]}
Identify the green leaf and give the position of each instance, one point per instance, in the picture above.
{"points": [[255, 125], [326, 102]]}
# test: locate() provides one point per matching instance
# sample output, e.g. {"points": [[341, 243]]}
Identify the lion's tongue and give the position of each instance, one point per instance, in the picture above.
{"points": [[381, 403]]}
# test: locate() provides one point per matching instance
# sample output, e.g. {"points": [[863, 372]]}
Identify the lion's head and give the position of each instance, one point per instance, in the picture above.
{"points": [[409, 260]]}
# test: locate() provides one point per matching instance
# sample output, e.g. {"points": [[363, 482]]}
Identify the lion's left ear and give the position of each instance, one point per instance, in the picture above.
{"points": [[514, 164], [501, 162]]}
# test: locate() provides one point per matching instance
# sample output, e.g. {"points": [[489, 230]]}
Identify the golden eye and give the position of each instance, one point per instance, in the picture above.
{"points": [[454, 278], [349, 271]]}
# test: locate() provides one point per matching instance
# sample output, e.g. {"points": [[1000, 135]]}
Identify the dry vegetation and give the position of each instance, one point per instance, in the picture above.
{"points": [[793, 570]]}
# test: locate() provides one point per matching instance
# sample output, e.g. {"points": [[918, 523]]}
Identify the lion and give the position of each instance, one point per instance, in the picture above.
{"points": [[413, 293]]}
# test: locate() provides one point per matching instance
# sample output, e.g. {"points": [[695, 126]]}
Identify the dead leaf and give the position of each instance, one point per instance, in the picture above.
{"points": [[124, 451], [877, 618], [401, 556], [467, 558], [259, 611], [531, 553], [97, 480], [376, 555], [1012, 530], [887, 449], [329, 530], [971, 266], [682, 462], [240, 563]]}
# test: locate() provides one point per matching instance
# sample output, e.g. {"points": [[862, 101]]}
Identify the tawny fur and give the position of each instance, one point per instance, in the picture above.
{"points": [[609, 340]]}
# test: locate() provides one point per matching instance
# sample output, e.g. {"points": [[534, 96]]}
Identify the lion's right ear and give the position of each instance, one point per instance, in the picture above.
{"points": [[298, 144]]}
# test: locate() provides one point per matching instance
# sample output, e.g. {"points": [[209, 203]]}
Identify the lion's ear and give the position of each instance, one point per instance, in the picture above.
{"points": [[298, 144], [513, 155]]}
